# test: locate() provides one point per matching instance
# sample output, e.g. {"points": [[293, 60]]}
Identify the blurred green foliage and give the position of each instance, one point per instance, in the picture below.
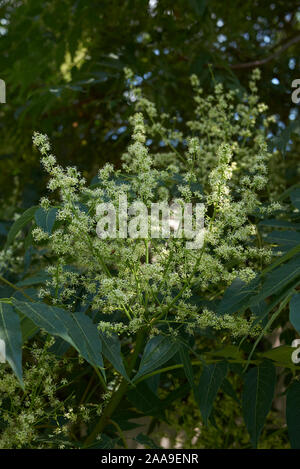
{"points": [[63, 61]]}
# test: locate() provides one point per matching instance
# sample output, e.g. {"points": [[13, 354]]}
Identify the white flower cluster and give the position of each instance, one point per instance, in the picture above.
{"points": [[23, 413], [133, 283]]}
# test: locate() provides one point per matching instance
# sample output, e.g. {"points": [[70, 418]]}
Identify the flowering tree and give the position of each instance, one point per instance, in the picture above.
{"points": [[152, 321]]}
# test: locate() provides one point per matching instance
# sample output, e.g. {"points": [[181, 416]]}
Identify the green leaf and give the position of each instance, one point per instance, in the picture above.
{"points": [[45, 219], [158, 351], [60, 347], [257, 397], [274, 223], [25, 218], [289, 255], [112, 351], [187, 366], [77, 329], [293, 414], [210, 381], [295, 312], [281, 355], [229, 351], [260, 312], [286, 238], [279, 278], [10, 333], [28, 328], [86, 340], [238, 296]]}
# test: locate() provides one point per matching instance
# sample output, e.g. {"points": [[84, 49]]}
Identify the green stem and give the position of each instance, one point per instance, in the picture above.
{"points": [[119, 430], [15, 288], [95, 252], [167, 142], [100, 378], [118, 395], [188, 281], [194, 363]]}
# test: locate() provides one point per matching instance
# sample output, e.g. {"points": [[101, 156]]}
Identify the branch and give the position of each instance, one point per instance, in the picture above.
{"points": [[257, 63], [118, 395]]}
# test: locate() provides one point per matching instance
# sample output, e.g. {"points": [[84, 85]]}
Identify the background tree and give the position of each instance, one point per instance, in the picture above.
{"points": [[63, 63]]}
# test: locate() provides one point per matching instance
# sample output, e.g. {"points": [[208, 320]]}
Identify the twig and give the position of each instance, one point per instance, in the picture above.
{"points": [[258, 63], [2, 279]]}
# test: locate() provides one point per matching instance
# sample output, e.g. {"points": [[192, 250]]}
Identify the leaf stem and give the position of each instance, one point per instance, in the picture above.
{"points": [[119, 429], [118, 395], [2, 279]]}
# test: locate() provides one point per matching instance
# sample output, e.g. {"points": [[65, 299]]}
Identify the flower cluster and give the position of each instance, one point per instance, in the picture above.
{"points": [[23, 415], [129, 283]]}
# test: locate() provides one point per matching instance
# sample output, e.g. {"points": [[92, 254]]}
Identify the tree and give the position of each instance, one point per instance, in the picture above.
{"points": [[63, 61]]}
